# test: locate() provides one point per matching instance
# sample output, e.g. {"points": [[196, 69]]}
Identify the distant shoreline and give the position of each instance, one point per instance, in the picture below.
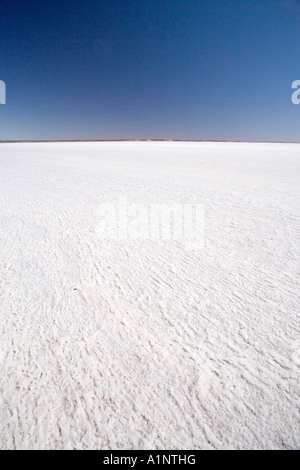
{"points": [[146, 140]]}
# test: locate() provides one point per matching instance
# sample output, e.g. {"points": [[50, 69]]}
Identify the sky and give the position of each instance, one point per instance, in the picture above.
{"points": [[160, 69]]}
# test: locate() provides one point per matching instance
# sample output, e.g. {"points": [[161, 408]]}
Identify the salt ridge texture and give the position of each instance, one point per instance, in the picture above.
{"points": [[142, 344]]}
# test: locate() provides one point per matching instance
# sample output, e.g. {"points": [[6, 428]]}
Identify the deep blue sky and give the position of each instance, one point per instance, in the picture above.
{"points": [[174, 69]]}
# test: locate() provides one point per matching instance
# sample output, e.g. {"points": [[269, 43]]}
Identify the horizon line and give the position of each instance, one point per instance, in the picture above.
{"points": [[147, 140]]}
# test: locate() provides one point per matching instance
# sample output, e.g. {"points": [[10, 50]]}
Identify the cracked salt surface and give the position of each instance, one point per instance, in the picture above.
{"points": [[139, 344]]}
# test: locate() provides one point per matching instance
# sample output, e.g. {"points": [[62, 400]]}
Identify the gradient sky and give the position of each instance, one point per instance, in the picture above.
{"points": [[166, 69]]}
